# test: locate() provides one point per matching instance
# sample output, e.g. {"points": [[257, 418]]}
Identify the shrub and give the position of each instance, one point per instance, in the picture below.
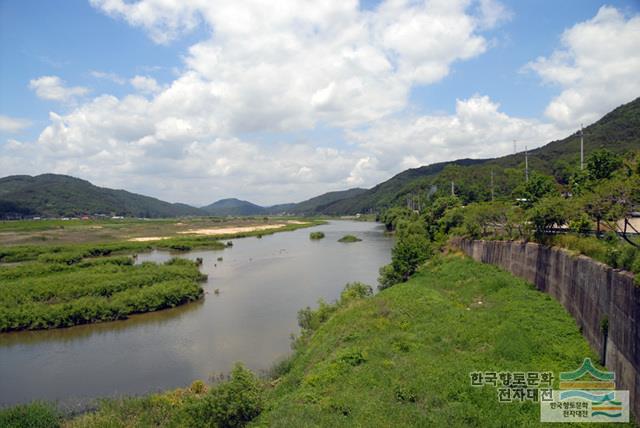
{"points": [[581, 224], [198, 387], [281, 367], [316, 235], [231, 404], [310, 319], [388, 277], [354, 291], [33, 415]]}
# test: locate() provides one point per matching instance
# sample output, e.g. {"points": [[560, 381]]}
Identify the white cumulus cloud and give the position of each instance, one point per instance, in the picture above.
{"points": [[478, 129], [145, 84], [597, 67], [53, 88]]}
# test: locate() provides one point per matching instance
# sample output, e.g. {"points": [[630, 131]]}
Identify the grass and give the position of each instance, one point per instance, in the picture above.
{"points": [[316, 235], [41, 295], [399, 358], [403, 357], [349, 238]]}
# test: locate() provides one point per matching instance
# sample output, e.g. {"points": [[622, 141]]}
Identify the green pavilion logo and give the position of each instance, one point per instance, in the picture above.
{"points": [[586, 394]]}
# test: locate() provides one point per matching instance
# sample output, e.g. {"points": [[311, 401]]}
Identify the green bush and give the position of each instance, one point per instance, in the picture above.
{"points": [[580, 224], [354, 291], [234, 403], [316, 235], [33, 415], [310, 319]]}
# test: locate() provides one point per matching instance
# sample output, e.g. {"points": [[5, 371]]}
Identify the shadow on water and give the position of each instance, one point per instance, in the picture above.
{"points": [[85, 331]]}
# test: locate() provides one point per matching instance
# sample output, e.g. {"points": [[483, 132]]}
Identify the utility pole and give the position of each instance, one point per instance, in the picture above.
{"points": [[492, 192], [453, 192], [526, 164], [581, 147]]}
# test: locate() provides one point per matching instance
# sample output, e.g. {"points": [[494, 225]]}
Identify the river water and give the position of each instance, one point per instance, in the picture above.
{"points": [[262, 284]]}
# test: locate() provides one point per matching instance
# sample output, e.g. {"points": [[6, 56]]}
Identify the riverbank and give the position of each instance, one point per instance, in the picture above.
{"points": [[50, 286], [76, 231], [399, 358]]}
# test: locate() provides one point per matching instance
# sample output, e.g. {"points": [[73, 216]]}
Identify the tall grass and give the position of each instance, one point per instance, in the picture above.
{"points": [[42, 295]]}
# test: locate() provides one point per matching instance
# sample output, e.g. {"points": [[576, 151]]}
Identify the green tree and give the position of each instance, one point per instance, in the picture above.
{"points": [[601, 164], [409, 252], [547, 213], [538, 187], [612, 200]]}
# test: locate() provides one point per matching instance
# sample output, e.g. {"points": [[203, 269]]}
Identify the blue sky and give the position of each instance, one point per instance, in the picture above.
{"points": [[279, 105]]}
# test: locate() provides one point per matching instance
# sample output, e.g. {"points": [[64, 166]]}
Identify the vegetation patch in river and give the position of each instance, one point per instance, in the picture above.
{"points": [[316, 235], [53, 293], [349, 238]]}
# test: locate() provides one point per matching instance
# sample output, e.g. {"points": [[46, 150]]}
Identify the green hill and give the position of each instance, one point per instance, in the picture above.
{"points": [[238, 207], [618, 131], [53, 195], [320, 203], [233, 207]]}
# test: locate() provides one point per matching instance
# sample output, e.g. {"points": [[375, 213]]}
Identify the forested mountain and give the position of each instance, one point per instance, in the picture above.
{"points": [[233, 207], [236, 207], [52, 195], [319, 203], [618, 131]]}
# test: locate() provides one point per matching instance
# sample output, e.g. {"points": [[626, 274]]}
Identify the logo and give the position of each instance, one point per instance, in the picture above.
{"points": [[586, 394]]}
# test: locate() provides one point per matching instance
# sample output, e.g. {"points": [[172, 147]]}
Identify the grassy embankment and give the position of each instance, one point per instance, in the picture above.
{"points": [[60, 285], [399, 358]]}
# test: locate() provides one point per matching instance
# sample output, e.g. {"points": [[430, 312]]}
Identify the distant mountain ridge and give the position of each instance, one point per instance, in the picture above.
{"points": [[233, 207], [54, 195], [237, 207]]}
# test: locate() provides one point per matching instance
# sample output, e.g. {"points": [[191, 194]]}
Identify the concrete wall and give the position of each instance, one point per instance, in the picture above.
{"points": [[591, 291]]}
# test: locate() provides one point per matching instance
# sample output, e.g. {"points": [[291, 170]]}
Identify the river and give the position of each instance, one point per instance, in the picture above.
{"points": [[262, 283]]}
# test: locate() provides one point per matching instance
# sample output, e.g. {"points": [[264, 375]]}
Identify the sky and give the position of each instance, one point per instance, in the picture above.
{"points": [[273, 102]]}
